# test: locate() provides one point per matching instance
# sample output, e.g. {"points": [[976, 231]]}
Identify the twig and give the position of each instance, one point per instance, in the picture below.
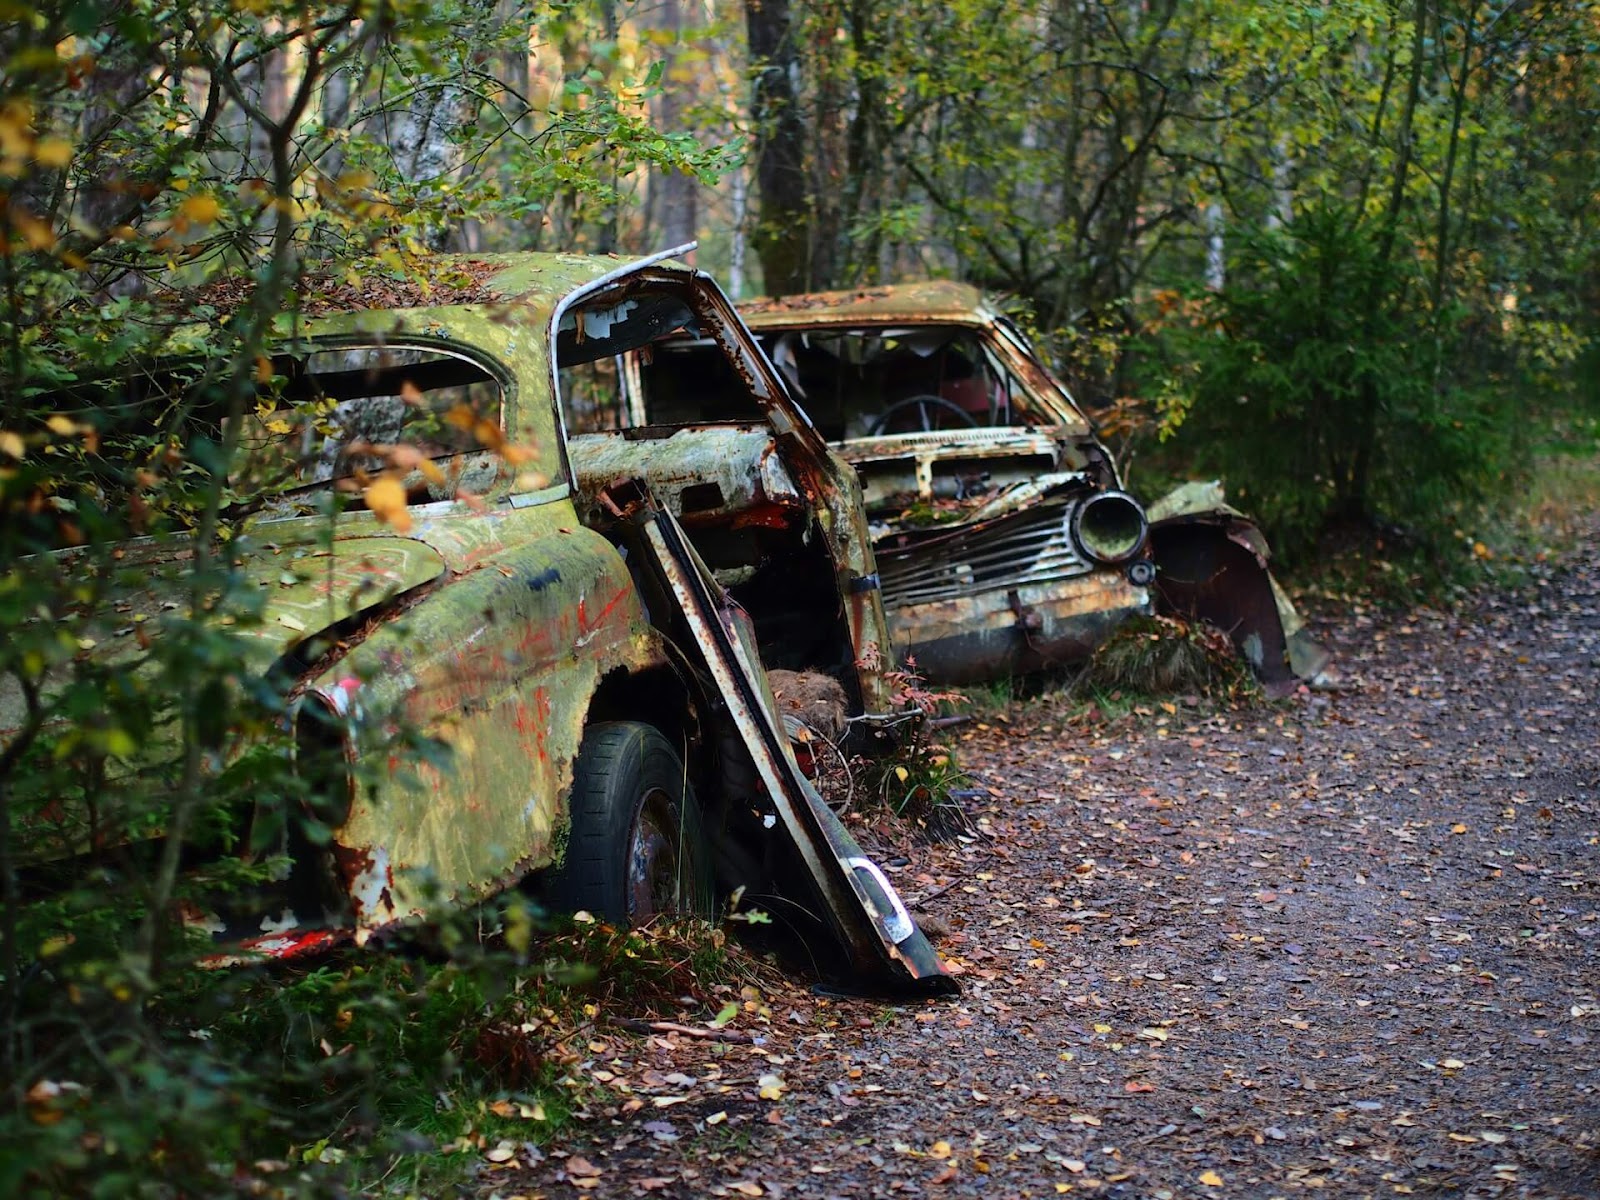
{"points": [[636, 1025], [937, 892]]}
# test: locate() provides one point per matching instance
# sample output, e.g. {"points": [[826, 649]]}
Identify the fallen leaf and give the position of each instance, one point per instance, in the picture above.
{"points": [[1210, 1178]]}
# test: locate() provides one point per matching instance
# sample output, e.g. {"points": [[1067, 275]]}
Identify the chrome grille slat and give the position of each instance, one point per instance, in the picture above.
{"points": [[1032, 547]]}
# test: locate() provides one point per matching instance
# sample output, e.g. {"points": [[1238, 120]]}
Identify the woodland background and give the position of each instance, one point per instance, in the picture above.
{"points": [[1344, 255], [1338, 249]]}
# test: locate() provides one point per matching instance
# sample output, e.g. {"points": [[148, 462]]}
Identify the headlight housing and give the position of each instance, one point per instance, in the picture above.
{"points": [[1109, 527]]}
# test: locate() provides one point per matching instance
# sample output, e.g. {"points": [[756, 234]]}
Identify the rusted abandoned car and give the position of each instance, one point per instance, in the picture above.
{"points": [[1004, 540], [584, 623]]}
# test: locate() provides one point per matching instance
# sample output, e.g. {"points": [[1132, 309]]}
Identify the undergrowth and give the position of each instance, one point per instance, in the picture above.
{"points": [[398, 1065]]}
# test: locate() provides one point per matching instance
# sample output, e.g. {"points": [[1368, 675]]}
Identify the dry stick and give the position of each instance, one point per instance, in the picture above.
{"points": [[635, 1025], [937, 892]]}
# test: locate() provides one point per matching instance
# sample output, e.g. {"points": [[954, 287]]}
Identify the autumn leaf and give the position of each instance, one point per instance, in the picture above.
{"points": [[386, 497], [36, 233], [1210, 1178], [53, 152], [200, 209]]}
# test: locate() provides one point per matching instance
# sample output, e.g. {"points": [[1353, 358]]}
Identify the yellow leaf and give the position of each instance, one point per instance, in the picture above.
{"points": [[387, 500], [53, 152], [61, 426], [1210, 1179], [201, 209], [902, 774], [940, 1149], [35, 232], [771, 1087], [11, 445]]}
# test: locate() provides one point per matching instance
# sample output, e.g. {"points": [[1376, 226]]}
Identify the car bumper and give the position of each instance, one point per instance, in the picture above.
{"points": [[1002, 632]]}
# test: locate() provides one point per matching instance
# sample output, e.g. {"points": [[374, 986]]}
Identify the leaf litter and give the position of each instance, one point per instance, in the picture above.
{"points": [[1344, 943]]}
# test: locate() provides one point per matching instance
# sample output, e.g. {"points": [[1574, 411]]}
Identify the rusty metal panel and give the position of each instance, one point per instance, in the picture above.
{"points": [[930, 302], [1012, 631], [700, 471], [869, 918], [1213, 566], [500, 667]]}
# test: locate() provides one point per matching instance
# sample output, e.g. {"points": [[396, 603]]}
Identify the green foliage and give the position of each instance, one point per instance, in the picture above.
{"points": [[323, 1079], [1321, 387]]}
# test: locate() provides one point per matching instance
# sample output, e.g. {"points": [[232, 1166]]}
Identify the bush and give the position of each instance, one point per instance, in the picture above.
{"points": [[1322, 387]]}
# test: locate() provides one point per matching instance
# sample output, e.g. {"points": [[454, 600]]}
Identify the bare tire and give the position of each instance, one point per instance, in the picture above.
{"points": [[636, 848]]}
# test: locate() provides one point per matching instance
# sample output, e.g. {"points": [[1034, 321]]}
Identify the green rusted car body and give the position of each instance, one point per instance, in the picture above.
{"points": [[542, 583]]}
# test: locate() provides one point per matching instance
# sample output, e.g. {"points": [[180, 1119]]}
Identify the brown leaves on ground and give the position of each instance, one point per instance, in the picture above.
{"points": [[1347, 945]]}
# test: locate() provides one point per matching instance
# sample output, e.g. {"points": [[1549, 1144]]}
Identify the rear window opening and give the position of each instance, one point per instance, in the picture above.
{"points": [[314, 419], [646, 327], [342, 413]]}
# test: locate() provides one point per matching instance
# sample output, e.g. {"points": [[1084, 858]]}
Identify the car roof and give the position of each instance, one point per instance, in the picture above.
{"points": [[438, 281], [931, 302]]}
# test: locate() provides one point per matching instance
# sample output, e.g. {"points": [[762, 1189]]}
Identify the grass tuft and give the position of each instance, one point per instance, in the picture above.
{"points": [[1163, 656]]}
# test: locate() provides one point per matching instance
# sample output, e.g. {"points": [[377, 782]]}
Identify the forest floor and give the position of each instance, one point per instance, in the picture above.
{"points": [[1349, 942]]}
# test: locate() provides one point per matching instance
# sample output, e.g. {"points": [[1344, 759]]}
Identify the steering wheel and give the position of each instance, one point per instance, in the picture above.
{"points": [[923, 403]]}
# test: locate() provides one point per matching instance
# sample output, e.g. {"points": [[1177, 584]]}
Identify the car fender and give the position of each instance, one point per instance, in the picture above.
{"points": [[498, 666]]}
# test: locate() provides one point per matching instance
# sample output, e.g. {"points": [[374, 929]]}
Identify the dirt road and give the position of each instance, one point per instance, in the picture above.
{"points": [[1350, 943]]}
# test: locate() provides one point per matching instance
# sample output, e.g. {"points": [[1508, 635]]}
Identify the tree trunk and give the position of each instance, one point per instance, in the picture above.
{"points": [[783, 227], [674, 200], [417, 135]]}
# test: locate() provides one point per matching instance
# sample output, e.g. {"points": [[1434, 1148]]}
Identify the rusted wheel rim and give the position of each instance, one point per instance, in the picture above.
{"points": [[655, 874]]}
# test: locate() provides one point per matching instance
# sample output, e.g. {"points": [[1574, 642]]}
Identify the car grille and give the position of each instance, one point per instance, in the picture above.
{"points": [[1024, 548]]}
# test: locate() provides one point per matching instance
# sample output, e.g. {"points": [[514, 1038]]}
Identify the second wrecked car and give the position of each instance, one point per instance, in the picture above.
{"points": [[1004, 539]]}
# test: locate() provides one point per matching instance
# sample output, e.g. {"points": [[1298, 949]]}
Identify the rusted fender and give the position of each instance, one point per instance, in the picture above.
{"points": [[1212, 565], [500, 667], [885, 947]]}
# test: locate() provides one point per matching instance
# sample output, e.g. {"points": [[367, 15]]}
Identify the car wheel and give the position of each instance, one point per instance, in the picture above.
{"points": [[636, 849]]}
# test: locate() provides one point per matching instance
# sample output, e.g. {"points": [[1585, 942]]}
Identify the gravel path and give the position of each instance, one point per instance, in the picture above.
{"points": [[1348, 943]]}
